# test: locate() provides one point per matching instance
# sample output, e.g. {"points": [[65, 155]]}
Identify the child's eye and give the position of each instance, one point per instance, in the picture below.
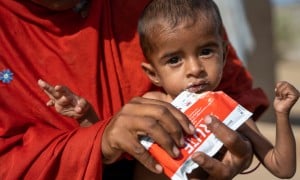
{"points": [[206, 52], [173, 60]]}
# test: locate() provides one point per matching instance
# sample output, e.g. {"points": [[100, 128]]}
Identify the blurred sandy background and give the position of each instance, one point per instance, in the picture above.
{"points": [[276, 28]]}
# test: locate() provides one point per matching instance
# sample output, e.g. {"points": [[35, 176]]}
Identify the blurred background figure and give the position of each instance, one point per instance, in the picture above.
{"points": [[236, 23]]}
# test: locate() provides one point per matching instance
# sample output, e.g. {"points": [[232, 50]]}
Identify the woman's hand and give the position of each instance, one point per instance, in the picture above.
{"points": [[159, 120], [236, 159]]}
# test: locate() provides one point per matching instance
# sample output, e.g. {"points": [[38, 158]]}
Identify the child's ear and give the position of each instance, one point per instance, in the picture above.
{"points": [[151, 73]]}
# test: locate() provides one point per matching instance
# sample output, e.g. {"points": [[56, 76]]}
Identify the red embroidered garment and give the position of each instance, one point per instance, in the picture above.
{"points": [[98, 58]]}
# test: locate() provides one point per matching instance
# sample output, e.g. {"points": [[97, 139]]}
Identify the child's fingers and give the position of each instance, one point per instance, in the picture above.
{"points": [[65, 96], [62, 89], [82, 106], [48, 89], [66, 100], [284, 89], [279, 91], [50, 103], [78, 110], [280, 86]]}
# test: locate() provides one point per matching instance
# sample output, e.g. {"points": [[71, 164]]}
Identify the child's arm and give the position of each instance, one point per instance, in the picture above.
{"points": [[281, 159], [69, 104]]}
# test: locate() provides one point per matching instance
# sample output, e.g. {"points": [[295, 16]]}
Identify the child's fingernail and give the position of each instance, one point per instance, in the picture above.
{"points": [[40, 81]]}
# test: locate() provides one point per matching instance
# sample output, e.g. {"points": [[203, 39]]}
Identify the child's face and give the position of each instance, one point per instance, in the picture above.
{"points": [[187, 57]]}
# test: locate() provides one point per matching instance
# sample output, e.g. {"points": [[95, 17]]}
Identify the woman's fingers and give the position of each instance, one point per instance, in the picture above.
{"points": [[231, 139], [156, 119], [238, 156], [215, 169], [174, 118]]}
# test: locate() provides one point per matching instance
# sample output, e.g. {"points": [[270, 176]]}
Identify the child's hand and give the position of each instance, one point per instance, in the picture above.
{"points": [[65, 101], [286, 95]]}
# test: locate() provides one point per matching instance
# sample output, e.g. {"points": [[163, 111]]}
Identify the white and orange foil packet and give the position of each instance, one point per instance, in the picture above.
{"points": [[196, 107]]}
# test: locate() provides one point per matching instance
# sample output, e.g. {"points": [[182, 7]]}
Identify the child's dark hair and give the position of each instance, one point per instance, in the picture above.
{"points": [[174, 12]]}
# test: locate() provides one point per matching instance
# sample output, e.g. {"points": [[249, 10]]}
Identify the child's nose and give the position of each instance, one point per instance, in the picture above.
{"points": [[194, 67]]}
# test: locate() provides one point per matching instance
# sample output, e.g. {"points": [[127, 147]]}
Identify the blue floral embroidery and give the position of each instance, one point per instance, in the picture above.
{"points": [[6, 76]]}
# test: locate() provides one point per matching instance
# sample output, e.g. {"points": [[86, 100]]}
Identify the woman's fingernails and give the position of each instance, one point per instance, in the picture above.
{"points": [[192, 128], [159, 168], [182, 142], [207, 120], [176, 151], [198, 158]]}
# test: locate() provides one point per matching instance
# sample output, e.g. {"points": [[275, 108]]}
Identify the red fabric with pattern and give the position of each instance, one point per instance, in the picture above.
{"points": [[98, 58]]}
